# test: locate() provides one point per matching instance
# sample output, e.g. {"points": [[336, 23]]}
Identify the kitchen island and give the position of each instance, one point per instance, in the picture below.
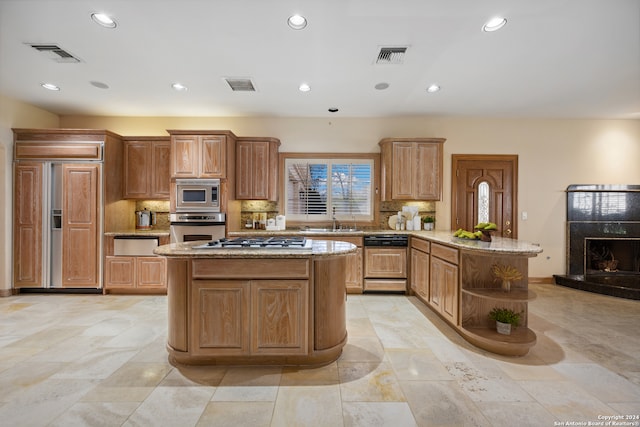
{"points": [[256, 306]]}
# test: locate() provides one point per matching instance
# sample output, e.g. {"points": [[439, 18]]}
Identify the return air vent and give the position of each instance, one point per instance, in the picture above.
{"points": [[55, 52], [241, 85], [391, 55]]}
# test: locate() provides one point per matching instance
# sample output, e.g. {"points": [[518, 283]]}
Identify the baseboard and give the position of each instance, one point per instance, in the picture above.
{"points": [[6, 293], [542, 280]]}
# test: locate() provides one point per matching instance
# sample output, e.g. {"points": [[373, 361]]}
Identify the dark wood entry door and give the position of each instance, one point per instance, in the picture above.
{"points": [[500, 173]]}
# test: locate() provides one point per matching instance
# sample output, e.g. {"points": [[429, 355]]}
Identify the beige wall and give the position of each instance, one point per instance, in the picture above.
{"points": [[552, 155], [13, 114]]}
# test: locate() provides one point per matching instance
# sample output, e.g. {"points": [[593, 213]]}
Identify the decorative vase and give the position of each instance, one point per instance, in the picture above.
{"points": [[506, 285], [503, 328], [428, 226]]}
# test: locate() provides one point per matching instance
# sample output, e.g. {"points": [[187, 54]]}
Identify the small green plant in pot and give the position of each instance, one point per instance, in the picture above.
{"points": [[428, 222], [505, 319]]}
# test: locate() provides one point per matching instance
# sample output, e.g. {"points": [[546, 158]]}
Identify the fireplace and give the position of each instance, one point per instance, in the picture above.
{"points": [[603, 240]]}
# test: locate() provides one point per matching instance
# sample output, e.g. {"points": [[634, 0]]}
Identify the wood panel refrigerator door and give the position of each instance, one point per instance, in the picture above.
{"points": [[500, 172], [27, 226], [80, 239]]}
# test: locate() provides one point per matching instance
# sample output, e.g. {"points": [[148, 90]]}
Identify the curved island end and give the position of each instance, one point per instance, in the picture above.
{"points": [[256, 306]]}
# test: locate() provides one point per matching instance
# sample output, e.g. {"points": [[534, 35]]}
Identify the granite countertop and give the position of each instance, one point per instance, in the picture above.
{"points": [[141, 233], [319, 248], [498, 244]]}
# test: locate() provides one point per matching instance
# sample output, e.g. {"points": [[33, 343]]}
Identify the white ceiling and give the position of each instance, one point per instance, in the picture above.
{"points": [[554, 58]]}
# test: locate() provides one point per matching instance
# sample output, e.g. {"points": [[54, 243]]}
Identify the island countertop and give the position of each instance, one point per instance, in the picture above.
{"points": [[320, 248]]}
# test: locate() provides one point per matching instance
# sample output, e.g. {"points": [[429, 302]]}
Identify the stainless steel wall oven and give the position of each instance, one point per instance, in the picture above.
{"points": [[189, 227]]}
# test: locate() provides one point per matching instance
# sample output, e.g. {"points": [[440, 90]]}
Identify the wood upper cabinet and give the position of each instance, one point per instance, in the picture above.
{"points": [[80, 217], [146, 168], [198, 156], [411, 168], [27, 225], [257, 168]]}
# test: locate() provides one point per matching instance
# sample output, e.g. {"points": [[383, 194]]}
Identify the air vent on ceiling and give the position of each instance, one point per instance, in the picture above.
{"points": [[55, 52], [241, 85], [391, 55]]}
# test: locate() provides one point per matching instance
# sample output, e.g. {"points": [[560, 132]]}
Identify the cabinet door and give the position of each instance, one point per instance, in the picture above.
{"points": [[244, 172], [213, 157], [80, 239], [160, 176], [403, 171], [27, 225], [420, 273], [353, 278], [279, 316], [220, 331], [443, 294], [260, 170], [119, 272], [137, 169], [184, 157], [151, 272], [427, 171], [385, 262]]}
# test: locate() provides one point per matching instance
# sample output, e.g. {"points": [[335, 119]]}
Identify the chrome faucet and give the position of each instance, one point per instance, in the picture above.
{"points": [[335, 221]]}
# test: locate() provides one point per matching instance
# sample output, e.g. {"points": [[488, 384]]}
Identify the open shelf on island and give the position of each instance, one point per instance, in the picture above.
{"points": [[515, 295], [516, 344]]}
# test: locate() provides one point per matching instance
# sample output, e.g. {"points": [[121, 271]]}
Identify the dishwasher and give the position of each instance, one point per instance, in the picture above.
{"points": [[385, 262]]}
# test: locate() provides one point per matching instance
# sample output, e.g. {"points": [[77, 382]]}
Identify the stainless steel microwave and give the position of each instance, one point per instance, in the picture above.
{"points": [[197, 195]]}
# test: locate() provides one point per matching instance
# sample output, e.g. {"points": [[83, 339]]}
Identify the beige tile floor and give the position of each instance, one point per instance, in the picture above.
{"points": [[91, 360]]}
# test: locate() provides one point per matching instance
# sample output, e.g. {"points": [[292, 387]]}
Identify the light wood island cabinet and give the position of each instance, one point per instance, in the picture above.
{"points": [[256, 305], [146, 168], [354, 264], [411, 168], [420, 268], [443, 281], [257, 168]]}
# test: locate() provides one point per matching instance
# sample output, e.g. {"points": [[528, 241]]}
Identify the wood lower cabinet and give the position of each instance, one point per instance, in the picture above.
{"points": [[443, 289], [146, 168], [354, 279], [257, 169], [411, 168], [420, 268], [385, 269], [135, 273]]}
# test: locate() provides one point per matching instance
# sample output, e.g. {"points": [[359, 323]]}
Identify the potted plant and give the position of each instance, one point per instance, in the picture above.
{"points": [[428, 222], [505, 318], [505, 273]]}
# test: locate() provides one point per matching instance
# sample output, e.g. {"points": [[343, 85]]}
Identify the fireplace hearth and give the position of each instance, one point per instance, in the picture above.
{"points": [[603, 240]]}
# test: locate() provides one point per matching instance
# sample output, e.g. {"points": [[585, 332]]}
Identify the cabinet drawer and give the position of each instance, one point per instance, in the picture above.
{"points": [[444, 252], [385, 285], [421, 245], [267, 268]]}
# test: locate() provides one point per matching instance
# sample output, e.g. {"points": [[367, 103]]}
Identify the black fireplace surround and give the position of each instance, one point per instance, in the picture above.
{"points": [[603, 240]]}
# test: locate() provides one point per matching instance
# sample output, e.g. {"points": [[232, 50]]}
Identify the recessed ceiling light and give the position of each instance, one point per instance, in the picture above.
{"points": [[433, 88], [333, 110], [179, 86], [50, 86], [304, 87], [382, 86], [297, 22], [104, 20], [494, 24], [99, 85]]}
